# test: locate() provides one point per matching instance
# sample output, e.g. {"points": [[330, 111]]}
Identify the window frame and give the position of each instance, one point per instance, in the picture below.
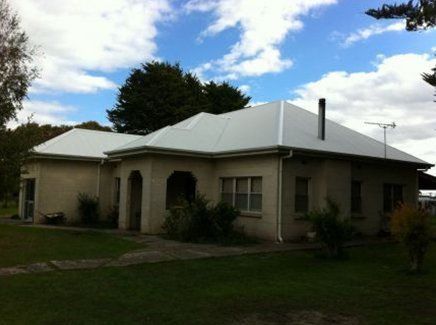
{"points": [[359, 198], [249, 192], [392, 204], [307, 179]]}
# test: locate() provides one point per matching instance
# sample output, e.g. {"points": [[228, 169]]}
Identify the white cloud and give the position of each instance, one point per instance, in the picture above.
{"points": [[365, 33], [263, 25], [394, 91], [43, 112], [80, 39], [245, 88]]}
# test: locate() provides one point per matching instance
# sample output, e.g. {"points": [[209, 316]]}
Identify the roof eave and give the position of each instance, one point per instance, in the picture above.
{"points": [[41, 155]]}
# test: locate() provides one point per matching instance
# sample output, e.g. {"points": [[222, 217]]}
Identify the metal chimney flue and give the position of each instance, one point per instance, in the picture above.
{"points": [[321, 119]]}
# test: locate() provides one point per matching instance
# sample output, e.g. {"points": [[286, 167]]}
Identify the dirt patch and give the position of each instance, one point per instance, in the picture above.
{"points": [[305, 317]]}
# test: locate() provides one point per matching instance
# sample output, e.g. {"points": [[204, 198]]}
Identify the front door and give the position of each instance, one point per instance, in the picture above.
{"points": [[29, 199]]}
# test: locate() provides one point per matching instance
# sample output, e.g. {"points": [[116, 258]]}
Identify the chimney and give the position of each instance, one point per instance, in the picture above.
{"points": [[321, 119]]}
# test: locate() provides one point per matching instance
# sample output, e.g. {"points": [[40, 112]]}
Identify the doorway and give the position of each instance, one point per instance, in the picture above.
{"points": [[135, 181]]}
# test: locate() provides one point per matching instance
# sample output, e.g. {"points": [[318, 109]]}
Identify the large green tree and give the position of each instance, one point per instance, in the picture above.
{"points": [[159, 94], [419, 15], [16, 67]]}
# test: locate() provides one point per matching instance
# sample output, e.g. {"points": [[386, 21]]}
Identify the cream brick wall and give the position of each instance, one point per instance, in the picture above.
{"points": [[265, 225], [58, 182], [332, 178]]}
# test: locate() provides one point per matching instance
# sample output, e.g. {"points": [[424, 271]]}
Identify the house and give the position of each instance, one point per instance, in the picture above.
{"points": [[274, 162]]}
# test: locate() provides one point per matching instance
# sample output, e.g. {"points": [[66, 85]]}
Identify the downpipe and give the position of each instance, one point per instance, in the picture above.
{"points": [[279, 199]]}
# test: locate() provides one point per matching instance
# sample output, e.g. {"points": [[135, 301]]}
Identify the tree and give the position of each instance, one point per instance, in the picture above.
{"points": [[412, 227], [160, 94], [224, 98], [419, 15], [16, 64], [93, 125]]}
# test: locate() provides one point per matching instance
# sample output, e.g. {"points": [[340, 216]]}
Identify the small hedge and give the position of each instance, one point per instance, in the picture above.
{"points": [[88, 208], [199, 221], [331, 230]]}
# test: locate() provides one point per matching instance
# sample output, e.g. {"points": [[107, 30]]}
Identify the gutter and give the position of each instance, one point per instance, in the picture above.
{"points": [[279, 198]]}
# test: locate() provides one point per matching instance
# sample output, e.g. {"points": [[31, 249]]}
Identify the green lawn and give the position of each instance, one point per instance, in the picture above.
{"points": [[372, 286], [25, 245]]}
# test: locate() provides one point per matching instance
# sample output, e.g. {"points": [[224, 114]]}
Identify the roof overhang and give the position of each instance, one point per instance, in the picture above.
{"points": [[39, 155], [282, 150], [426, 181]]}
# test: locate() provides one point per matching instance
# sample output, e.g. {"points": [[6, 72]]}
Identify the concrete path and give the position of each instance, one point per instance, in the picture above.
{"points": [[158, 250]]}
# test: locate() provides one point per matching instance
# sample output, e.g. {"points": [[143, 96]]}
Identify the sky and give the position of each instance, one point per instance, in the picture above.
{"points": [[295, 50]]}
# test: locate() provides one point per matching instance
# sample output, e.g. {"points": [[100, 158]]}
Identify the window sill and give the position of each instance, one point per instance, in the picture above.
{"points": [[248, 214]]}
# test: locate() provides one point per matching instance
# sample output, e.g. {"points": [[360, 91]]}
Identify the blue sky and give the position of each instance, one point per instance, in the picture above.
{"points": [[282, 49]]}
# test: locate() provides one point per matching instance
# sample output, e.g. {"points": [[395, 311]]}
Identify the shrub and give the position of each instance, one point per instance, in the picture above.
{"points": [[412, 227], [113, 216], [200, 221], [224, 215], [88, 208], [330, 230]]}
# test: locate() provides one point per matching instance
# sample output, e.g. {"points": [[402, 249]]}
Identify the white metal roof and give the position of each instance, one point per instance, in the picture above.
{"points": [[271, 125], [83, 143]]}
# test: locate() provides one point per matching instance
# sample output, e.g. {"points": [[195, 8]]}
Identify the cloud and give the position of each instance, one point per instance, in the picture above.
{"points": [[365, 33], [43, 112], [82, 39], [392, 92], [263, 26]]}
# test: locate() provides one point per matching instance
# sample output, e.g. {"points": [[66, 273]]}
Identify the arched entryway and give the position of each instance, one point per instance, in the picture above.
{"points": [[135, 193], [180, 185]]}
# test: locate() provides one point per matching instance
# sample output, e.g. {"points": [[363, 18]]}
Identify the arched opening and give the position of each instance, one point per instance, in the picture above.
{"points": [[180, 185], [135, 181]]}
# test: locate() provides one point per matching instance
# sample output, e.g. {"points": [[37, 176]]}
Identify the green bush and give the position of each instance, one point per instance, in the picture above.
{"points": [[88, 208], [223, 215], [330, 229], [198, 220], [412, 227]]}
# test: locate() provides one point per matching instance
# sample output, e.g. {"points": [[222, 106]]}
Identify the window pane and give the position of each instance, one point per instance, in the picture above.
{"points": [[227, 185], [356, 200], [387, 198], [256, 185], [227, 197], [256, 202], [241, 201], [301, 186], [397, 193], [301, 203], [242, 185], [355, 189]]}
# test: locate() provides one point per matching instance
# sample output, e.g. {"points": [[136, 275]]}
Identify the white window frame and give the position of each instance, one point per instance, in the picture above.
{"points": [[249, 179]]}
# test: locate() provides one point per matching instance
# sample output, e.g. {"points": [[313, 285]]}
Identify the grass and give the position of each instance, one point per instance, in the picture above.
{"points": [[25, 245], [372, 285]]}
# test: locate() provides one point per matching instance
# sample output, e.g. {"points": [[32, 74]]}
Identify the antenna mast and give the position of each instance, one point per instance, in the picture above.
{"points": [[384, 126]]}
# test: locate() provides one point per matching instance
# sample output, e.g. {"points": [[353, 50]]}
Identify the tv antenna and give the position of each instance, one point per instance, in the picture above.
{"points": [[384, 126]]}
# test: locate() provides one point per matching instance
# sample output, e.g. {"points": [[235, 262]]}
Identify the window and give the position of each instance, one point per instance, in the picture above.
{"points": [[117, 190], [392, 196], [356, 197], [244, 193], [301, 194]]}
